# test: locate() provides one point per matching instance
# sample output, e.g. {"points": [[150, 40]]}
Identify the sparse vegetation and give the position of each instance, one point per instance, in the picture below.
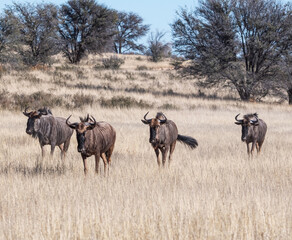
{"points": [[213, 192], [80, 100], [112, 62], [141, 67], [123, 102]]}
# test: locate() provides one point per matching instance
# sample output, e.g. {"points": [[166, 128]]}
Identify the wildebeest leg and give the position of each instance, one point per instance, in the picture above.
{"points": [[84, 164], [109, 154], [62, 151], [157, 156], [247, 146], [66, 146], [252, 147], [43, 151], [52, 149], [164, 151], [97, 158], [104, 162], [172, 147], [258, 148]]}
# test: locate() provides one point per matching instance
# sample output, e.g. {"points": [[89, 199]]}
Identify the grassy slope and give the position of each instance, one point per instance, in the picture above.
{"points": [[212, 192]]}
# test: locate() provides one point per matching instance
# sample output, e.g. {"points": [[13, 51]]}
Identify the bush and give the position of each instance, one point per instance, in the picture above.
{"points": [[169, 106], [123, 102], [177, 62], [5, 100], [112, 62], [37, 99], [80, 100], [142, 68]]}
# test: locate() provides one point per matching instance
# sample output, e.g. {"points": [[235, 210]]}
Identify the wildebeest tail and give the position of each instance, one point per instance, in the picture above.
{"points": [[189, 141]]}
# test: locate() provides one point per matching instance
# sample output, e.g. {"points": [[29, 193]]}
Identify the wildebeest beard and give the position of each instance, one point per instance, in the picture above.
{"points": [[34, 134]]}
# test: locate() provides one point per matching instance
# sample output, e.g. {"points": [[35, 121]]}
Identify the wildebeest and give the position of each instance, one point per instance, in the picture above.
{"points": [[49, 130], [94, 138], [253, 131], [163, 136]]}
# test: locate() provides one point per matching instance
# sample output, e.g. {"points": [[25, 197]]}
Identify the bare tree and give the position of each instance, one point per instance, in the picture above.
{"points": [[157, 49], [85, 26], [5, 33], [235, 43], [130, 28], [32, 30]]}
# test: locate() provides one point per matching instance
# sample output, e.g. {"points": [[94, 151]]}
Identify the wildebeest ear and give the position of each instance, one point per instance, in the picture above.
{"points": [[144, 121], [238, 123]]}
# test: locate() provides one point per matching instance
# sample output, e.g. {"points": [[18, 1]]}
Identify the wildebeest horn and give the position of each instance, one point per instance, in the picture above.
{"points": [[25, 112], [147, 120], [165, 119], [71, 125], [93, 120], [238, 120], [254, 121]]}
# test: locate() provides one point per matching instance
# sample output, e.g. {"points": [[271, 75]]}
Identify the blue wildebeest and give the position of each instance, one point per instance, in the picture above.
{"points": [[163, 136], [94, 138], [49, 130], [253, 131]]}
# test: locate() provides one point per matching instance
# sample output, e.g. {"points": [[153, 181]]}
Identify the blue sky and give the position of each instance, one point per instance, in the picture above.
{"points": [[157, 13]]}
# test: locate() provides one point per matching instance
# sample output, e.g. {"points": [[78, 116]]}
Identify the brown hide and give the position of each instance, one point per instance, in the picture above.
{"points": [[253, 131], [94, 138], [163, 136], [99, 139]]}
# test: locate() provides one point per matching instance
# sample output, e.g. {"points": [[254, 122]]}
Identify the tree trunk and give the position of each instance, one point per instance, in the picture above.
{"points": [[244, 94], [289, 91]]}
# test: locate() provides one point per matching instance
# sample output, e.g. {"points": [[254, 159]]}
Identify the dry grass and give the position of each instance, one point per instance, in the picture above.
{"points": [[213, 192]]}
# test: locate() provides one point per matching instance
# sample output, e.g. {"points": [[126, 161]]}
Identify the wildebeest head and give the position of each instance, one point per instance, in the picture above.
{"points": [[154, 124], [45, 111], [247, 123], [32, 126], [81, 128]]}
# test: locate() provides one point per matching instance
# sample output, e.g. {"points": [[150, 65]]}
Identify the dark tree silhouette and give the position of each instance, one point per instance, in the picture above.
{"points": [[85, 26], [235, 43], [130, 28], [157, 49], [31, 31]]}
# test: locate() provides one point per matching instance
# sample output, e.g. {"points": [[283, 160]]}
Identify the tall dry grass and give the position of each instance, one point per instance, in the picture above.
{"points": [[212, 192]]}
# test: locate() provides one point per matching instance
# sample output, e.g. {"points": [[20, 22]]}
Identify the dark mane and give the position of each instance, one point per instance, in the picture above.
{"points": [[85, 119], [160, 116], [250, 116], [45, 110]]}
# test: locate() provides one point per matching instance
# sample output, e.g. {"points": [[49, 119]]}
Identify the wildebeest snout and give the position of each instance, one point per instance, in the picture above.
{"points": [[243, 139], [81, 150], [28, 131]]}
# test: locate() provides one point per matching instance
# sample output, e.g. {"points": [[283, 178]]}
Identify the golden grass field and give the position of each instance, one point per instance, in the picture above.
{"points": [[212, 192]]}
